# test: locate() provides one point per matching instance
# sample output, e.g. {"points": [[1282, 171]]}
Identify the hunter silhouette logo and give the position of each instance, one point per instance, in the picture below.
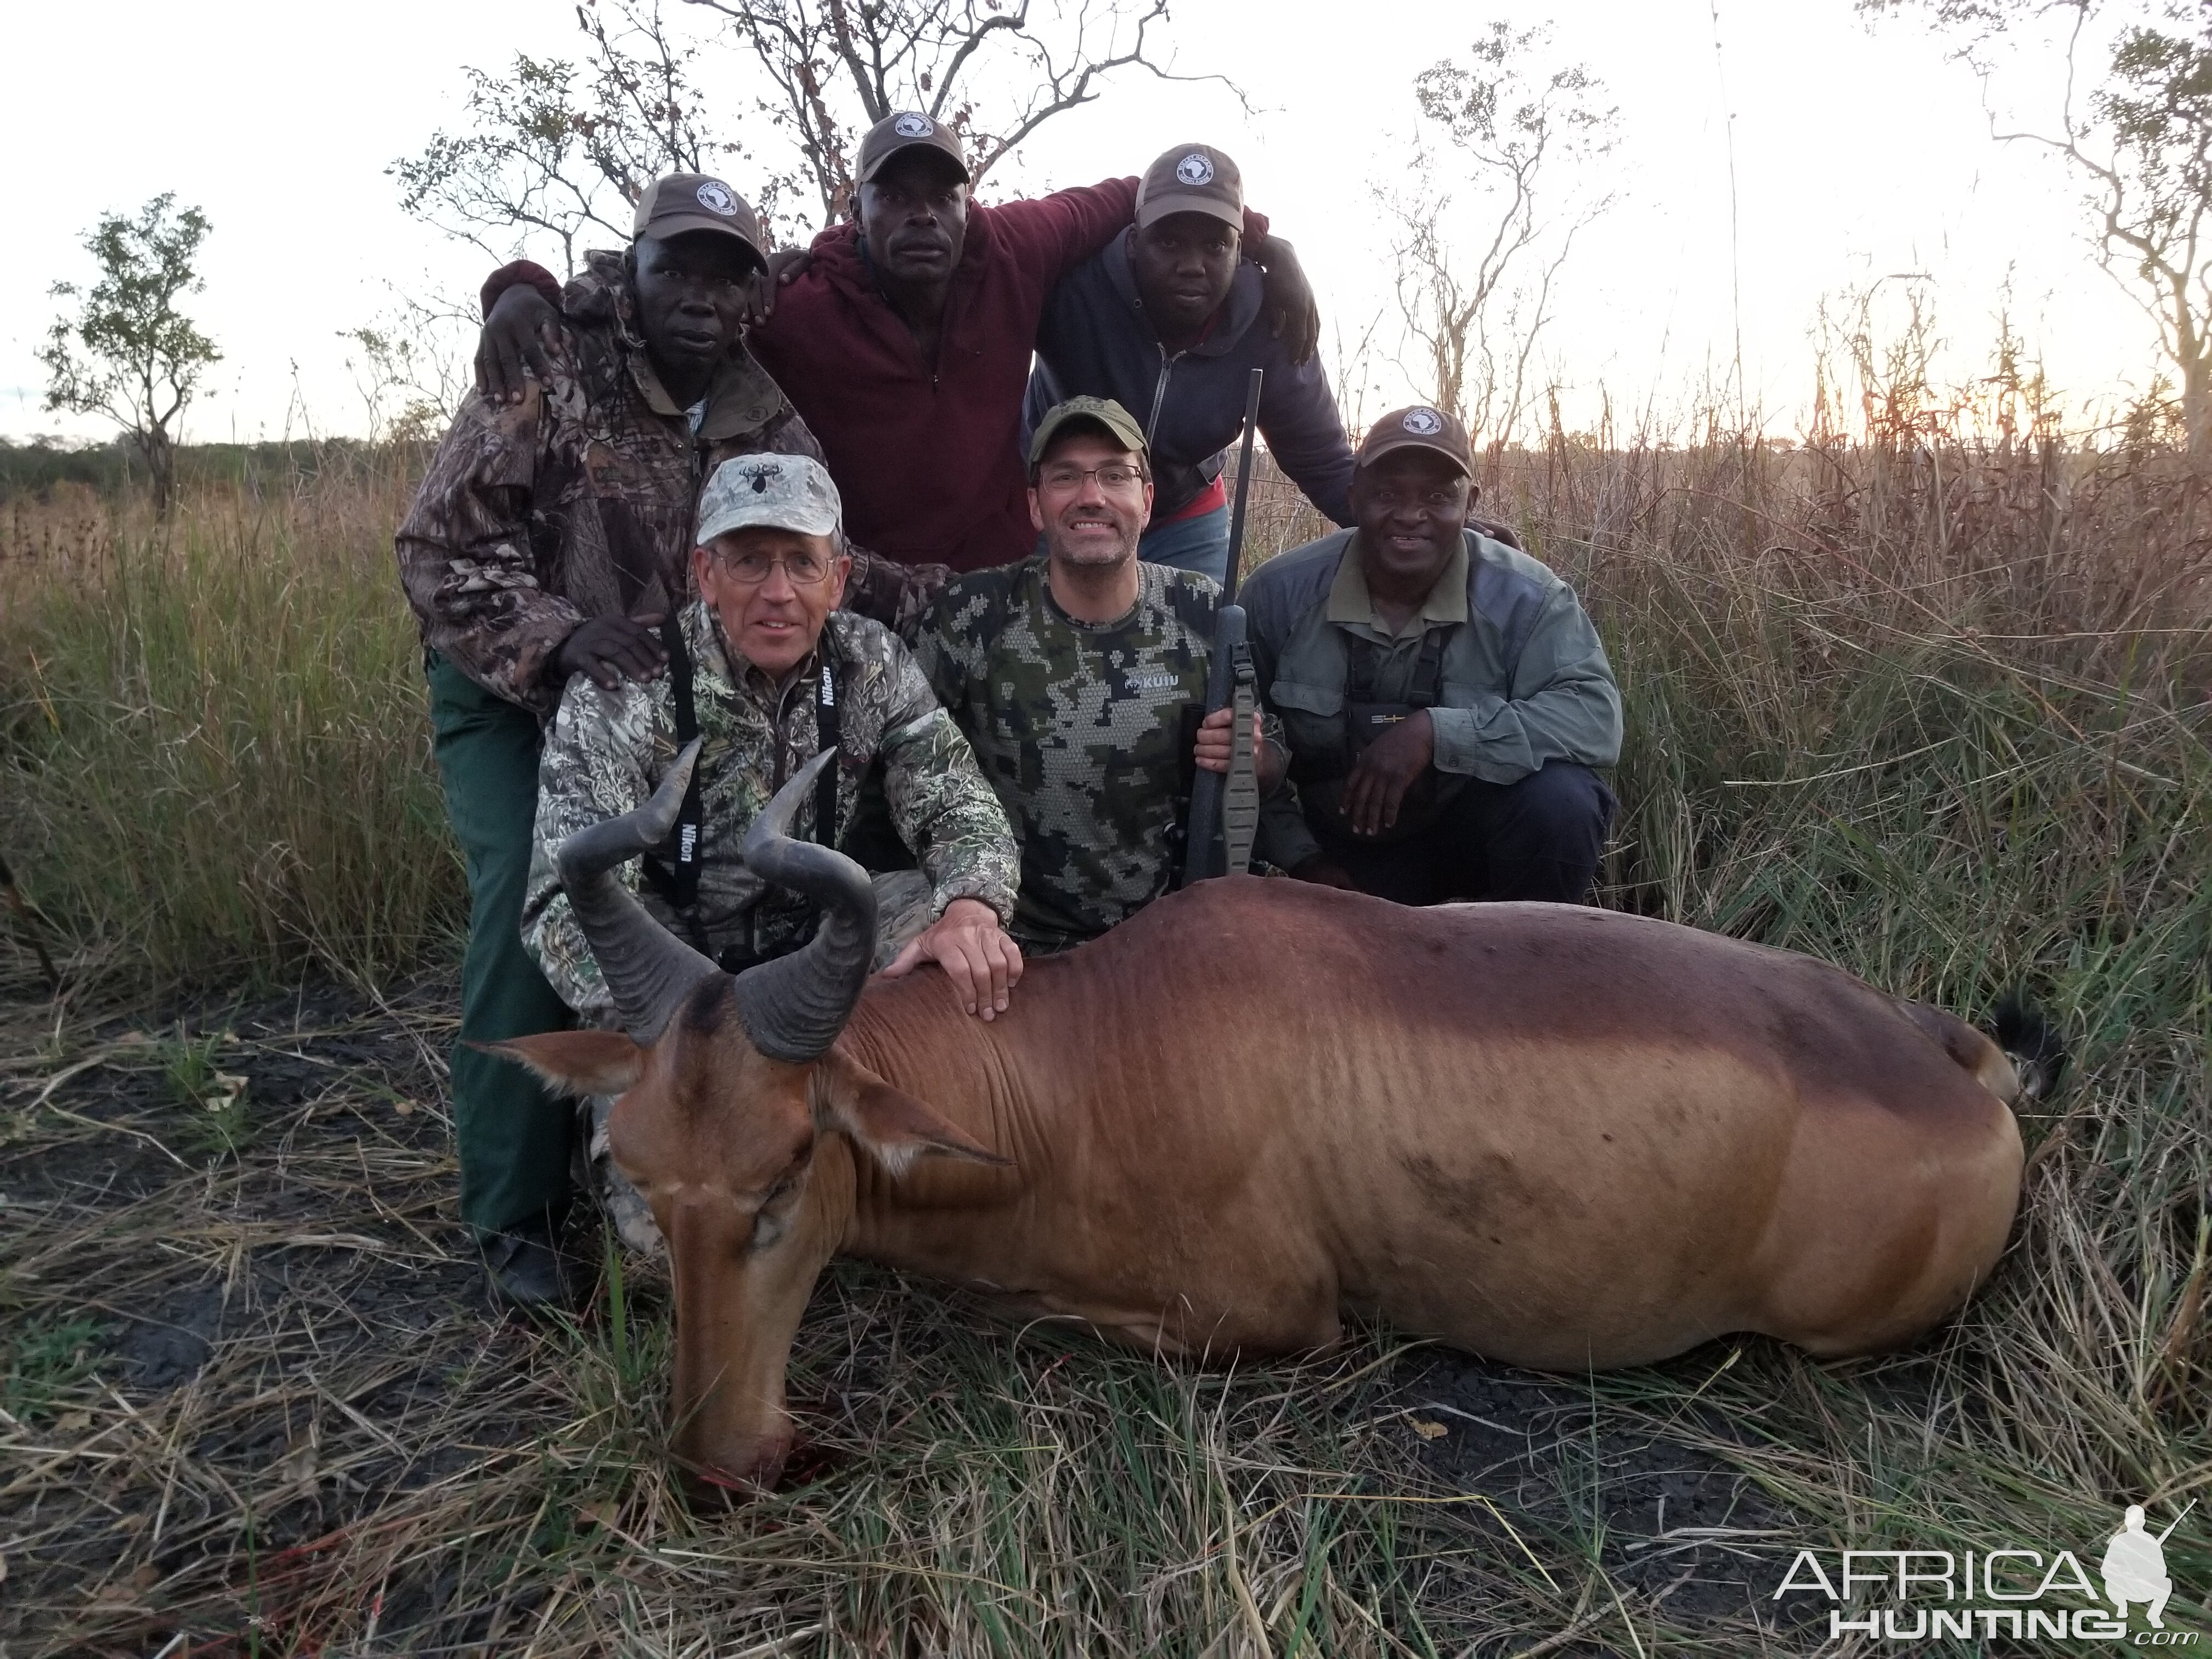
{"points": [[2134, 1565], [914, 127], [1422, 423], [1194, 169], [716, 197], [2021, 1594]]}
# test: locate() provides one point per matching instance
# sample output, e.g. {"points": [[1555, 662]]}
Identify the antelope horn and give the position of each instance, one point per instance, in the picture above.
{"points": [[794, 1007], [649, 970]]}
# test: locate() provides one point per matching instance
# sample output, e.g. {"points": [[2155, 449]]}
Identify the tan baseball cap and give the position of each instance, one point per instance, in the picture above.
{"points": [[691, 201], [1191, 178], [1418, 428], [902, 130], [1097, 411], [781, 492]]}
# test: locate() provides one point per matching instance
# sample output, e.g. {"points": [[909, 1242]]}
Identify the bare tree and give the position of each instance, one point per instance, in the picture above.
{"points": [[994, 73], [562, 149], [558, 149], [409, 367], [129, 354], [1490, 220], [2140, 139]]}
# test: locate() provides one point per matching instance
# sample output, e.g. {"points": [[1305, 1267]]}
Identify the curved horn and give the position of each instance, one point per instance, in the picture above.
{"points": [[649, 970], [794, 1006]]}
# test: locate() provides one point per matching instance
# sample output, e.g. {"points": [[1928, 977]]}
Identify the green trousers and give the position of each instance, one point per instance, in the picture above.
{"points": [[513, 1136]]}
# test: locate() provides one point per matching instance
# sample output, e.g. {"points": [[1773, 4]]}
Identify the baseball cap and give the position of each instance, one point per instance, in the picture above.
{"points": [[905, 130], [1418, 428], [1191, 178], [692, 201], [1099, 411], [781, 492]]}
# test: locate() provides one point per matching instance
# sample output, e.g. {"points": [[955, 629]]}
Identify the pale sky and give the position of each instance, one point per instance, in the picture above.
{"points": [[1856, 155]]}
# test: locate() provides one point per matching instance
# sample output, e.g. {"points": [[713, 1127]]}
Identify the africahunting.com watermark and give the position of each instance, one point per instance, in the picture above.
{"points": [[2021, 1595]]}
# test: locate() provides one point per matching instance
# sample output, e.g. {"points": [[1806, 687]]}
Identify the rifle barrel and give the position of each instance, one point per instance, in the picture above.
{"points": [[2177, 1521], [1243, 486]]}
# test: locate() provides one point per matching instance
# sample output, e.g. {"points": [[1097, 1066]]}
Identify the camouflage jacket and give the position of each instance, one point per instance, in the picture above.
{"points": [[579, 502], [606, 751], [1085, 731]]}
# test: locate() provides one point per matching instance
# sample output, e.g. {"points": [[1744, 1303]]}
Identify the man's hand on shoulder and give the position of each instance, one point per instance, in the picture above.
{"points": [[1390, 766], [519, 340], [1293, 314], [609, 648], [978, 956], [785, 266]]}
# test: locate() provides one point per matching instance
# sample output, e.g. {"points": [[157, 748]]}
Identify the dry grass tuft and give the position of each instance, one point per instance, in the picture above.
{"points": [[212, 735]]}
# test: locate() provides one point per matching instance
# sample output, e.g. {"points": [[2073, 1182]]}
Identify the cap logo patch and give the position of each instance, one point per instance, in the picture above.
{"points": [[716, 197], [1422, 423], [914, 127], [1194, 169]]}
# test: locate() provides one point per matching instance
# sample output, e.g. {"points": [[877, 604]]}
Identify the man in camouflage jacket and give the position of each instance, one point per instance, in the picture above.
{"points": [[552, 534], [1079, 679], [758, 640]]}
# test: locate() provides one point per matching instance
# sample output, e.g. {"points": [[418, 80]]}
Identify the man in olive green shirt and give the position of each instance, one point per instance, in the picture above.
{"points": [[1079, 677], [1444, 696]]}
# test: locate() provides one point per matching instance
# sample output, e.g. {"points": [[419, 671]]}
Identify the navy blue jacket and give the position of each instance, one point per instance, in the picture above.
{"points": [[1095, 341]]}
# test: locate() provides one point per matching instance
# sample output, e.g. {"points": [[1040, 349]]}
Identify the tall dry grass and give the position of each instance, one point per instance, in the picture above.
{"points": [[213, 744], [1935, 710]]}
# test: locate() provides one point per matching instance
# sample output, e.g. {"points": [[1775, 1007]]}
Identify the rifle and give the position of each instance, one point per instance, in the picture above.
{"points": [[1224, 808], [2176, 1521]]}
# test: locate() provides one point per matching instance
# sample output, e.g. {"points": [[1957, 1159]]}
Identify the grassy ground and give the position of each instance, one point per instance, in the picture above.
{"points": [[1938, 716]]}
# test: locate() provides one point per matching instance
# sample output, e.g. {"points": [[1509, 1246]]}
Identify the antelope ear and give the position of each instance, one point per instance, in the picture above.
{"points": [[575, 1062], [894, 1127]]}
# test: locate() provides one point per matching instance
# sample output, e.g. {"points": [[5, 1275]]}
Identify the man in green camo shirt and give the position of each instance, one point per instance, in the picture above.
{"points": [[1079, 677], [775, 669]]}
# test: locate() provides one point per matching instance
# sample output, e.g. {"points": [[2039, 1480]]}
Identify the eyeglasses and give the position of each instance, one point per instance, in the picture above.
{"points": [[752, 569], [1113, 476]]}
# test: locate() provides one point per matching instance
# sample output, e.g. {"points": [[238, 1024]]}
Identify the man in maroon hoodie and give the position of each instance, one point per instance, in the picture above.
{"points": [[904, 339]]}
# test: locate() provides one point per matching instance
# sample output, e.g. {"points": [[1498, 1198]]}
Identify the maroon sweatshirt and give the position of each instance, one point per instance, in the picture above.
{"points": [[929, 464]]}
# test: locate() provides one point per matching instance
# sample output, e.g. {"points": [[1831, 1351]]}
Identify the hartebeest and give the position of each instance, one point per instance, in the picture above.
{"points": [[1559, 1136]]}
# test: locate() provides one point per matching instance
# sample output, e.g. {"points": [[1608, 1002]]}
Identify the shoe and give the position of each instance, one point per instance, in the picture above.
{"points": [[525, 1268]]}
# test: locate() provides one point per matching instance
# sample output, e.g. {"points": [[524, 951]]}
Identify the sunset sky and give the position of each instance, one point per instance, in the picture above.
{"points": [[1858, 154]]}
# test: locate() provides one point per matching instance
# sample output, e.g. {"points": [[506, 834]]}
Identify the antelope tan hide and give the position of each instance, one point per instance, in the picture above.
{"points": [[1559, 1136]]}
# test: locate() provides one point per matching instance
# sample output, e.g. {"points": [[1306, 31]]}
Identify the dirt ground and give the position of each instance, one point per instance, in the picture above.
{"points": [[251, 1371]]}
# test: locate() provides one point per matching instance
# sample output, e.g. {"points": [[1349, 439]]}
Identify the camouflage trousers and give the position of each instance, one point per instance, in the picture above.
{"points": [[902, 913]]}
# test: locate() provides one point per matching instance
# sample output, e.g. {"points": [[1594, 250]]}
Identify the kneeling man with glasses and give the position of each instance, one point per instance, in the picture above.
{"points": [[1078, 676], [766, 672]]}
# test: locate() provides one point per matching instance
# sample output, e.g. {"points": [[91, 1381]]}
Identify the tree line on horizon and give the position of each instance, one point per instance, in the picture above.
{"points": [[553, 153]]}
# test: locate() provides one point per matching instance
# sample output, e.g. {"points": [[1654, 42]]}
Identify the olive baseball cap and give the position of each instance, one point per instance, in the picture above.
{"points": [[1418, 428], [904, 130], [1097, 411], [780, 492], [1191, 178], [691, 201]]}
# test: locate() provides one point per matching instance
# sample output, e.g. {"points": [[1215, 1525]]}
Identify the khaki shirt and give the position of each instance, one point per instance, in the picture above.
{"points": [[1525, 679]]}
